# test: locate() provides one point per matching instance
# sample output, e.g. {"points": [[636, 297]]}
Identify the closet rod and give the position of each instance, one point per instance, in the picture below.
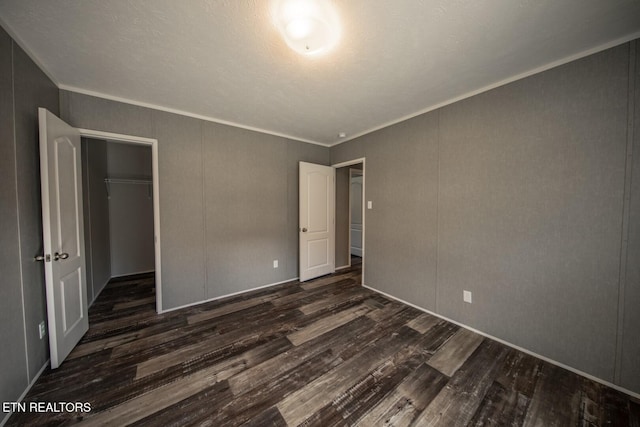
{"points": [[127, 181]]}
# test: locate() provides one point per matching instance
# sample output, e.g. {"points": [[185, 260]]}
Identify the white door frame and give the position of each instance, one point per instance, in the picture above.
{"points": [[117, 137], [362, 160]]}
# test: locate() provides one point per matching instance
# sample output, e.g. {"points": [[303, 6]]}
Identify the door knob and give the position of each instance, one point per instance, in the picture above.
{"points": [[304, 230], [57, 256]]}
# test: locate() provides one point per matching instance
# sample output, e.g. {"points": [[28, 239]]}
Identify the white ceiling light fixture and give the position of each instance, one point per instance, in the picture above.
{"points": [[309, 27]]}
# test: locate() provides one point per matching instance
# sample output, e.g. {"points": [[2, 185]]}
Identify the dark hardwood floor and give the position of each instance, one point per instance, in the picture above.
{"points": [[327, 352]]}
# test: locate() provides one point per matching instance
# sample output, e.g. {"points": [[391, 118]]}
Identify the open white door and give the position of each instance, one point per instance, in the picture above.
{"points": [[317, 220], [63, 235]]}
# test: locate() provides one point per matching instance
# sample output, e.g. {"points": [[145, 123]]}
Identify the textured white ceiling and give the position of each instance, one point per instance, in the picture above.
{"points": [[226, 61]]}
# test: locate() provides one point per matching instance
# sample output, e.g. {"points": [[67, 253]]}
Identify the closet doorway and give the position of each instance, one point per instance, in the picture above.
{"points": [[355, 213], [118, 212], [350, 214]]}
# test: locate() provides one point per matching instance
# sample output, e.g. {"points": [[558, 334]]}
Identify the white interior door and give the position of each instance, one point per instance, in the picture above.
{"points": [[63, 235], [317, 220]]}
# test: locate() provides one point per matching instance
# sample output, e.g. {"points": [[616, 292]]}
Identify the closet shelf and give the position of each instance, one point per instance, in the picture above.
{"points": [[136, 181]]}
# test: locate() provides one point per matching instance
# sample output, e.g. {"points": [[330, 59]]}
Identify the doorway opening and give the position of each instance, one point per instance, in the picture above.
{"points": [[121, 211], [350, 214], [118, 212]]}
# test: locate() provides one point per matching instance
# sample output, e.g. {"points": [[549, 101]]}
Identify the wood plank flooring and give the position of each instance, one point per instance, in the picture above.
{"points": [[323, 353]]}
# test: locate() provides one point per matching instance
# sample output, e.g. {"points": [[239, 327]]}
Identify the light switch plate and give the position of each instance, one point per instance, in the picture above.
{"points": [[466, 296], [42, 329], [369, 204]]}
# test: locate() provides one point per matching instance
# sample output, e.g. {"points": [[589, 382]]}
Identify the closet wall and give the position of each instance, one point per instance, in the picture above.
{"points": [[343, 227], [130, 209], [119, 215], [96, 215]]}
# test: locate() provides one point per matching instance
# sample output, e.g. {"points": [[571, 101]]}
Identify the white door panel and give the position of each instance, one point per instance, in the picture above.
{"points": [[71, 299], [317, 224], [66, 182], [319, 255], [317, 216], [63, 235]]}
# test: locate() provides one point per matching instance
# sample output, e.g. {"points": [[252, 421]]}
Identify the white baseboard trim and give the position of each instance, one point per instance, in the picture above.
{"points": [[507, 343], [24, 393], [132, 274], [227, 295], [343, 267]]}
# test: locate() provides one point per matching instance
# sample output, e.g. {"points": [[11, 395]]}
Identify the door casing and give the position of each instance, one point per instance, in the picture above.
{"points": [[153, 143]]}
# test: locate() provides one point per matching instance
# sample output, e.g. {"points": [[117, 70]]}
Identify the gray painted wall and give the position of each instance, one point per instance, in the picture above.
{"points": [[96, 216], [13, 363], [629, 373], [23, 88], [33, 89], [228, 197], [245, 191], [130, 208], [129, 160], [519, 200], [181, 208]]}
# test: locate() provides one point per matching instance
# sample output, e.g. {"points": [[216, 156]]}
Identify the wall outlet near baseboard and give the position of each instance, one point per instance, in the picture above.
{"points": [[275, 263], [42, 329], [466, 296]]}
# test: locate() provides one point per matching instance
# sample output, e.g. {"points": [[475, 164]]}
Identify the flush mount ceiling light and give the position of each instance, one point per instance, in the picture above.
{"points": [[309, 27]]}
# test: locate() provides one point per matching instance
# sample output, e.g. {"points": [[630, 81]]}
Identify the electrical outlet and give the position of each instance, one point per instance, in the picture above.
{"points": [[42, 329], [275, 263], [369, 204], [466, 296]]}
